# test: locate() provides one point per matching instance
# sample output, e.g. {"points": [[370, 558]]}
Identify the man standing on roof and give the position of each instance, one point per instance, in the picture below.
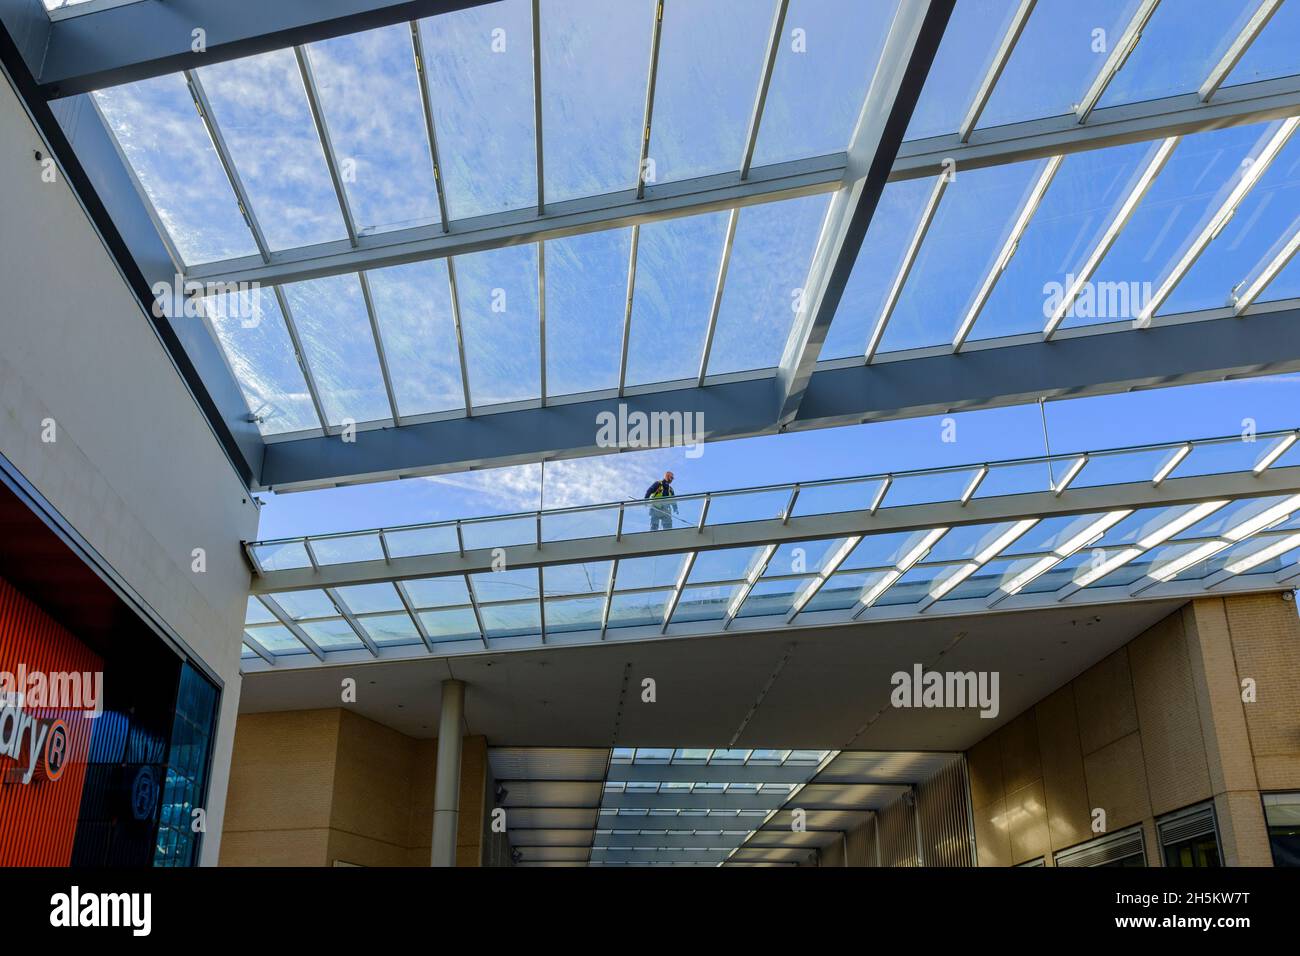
{"points": [[659, 510]]}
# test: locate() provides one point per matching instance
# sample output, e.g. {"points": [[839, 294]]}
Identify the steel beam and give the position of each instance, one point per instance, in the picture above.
{"points": [[771, 531], [896, 86], [990, 373], [156, 37]]}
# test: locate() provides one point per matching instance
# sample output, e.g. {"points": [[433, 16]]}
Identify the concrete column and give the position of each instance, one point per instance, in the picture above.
{"points": [[446, 786]]}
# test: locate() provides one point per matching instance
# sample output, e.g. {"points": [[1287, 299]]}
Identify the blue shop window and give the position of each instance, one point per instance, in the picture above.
{"points": [[185, 785]]}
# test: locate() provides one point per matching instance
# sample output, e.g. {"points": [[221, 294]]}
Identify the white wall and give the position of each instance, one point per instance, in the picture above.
{"points": [[135, 468]]}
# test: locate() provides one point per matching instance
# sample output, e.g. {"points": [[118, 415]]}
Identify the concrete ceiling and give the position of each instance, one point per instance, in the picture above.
{"points": [[823, 689]]}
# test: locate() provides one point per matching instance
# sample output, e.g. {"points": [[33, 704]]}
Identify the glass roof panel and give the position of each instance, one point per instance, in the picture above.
{"points": [[497, 292], [770, 258], [261, 108], [172, 155], [1140, 524], [710, 59], [635, 610], [1064, 46], [332, 635], [1286, 285], [595, 65], [511, 620], [457, 624], [413, 310], [391, 630], [437, 592], [802, 556], [975, 216], [980, 584], [370, 598], [1084, 197], [842, 590], [500, 532], [676, 274], [965, 541], [1266, 214], [370, 97], [726, 564], [588, 523], [969, 44], [276, 638], [657, 571], [256, 613], [480, 75], [883, 550], [339, 347], [282, 557], [747, 506], [1051, 533], [1180, 45], [587, 577], [250, 329], [511, 584], [586, 301], [1272, 54], [828, 54], [772, 597], [1197, 178], [574, 614], [1233, 514], [878, 262], [926, 488], [305, 604], [704, 603], [837, 497], [409, 542], [912, 587]]}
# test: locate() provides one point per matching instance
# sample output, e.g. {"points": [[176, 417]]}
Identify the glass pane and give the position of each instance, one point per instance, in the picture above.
{"points": [[1118, 469], [250, 329], [256, 613], [305, 604], [833, 498], [1273, 52], [681, 512], [710, 59], [332, 635], [339, 347], [770, 258], [981, 584], [1180, 44], [586, 578], [282, 557], [1219, 459], [704, 604], [499, 532], [965, 541], [1051, 533], [437, 592], [1233, 515], [975, 216], [276, 638], [878, 262], [912, 587], [389, 630], [588, 523], [1141, 524], [1017, 479], [801, 557], [927, 488], [1064, 46], [347, 549], [828, 54], [632, 610], [172, 155], [497, 293], [676, 274], [586, 301], [453, 625], [413, 310], [1198, 176], [370, 97], [260, 106], [416, 541], [511, 620], [747, 506], [772, 597], [970, 42], [658, 571], [508, 585], [595, 64], [727, 564], [1084, 197], [480, 73], [1266, 215], [574, 614], [370, 598], [883, 550]]}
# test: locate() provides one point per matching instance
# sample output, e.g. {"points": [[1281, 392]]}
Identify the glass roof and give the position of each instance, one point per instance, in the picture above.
{"points": [[803, 579], [424, 129]]}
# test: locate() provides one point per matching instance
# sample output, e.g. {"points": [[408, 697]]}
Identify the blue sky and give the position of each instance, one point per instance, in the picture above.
{"points": [[593, 64]]}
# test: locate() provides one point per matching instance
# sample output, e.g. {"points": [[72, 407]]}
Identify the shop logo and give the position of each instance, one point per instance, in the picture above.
{"points": [[46, 740], [144, 793]]}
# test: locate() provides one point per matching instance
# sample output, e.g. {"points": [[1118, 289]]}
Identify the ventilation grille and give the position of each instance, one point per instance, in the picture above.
{"points": [[1107, 849], [1188, 825]]}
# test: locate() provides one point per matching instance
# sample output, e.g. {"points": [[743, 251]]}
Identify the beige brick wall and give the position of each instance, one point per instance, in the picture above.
{"points": [[1154, 727], [309, 788]]}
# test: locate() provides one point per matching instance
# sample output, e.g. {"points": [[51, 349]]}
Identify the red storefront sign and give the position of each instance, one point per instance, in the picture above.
{"points": [[44, 737]]}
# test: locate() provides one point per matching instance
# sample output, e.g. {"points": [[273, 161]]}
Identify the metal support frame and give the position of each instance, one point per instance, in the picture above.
{"points": [[656, 32], [994, 73], [764, 83], [1232, 56], [1119, 55], [719, 286]]}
